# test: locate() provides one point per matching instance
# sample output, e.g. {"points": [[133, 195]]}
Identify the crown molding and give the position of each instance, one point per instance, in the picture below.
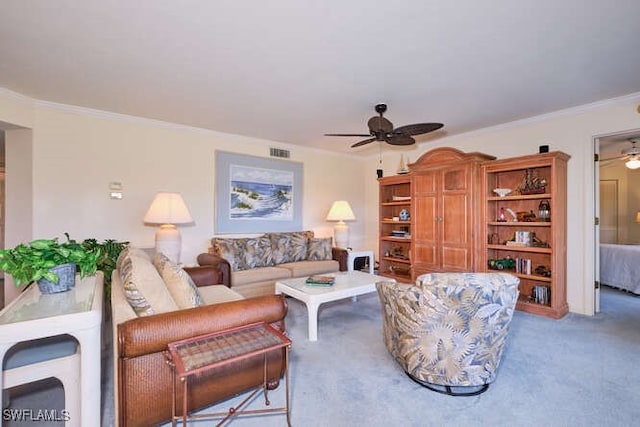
{"points": [[16, 96], [579, 109], [102, 114]]}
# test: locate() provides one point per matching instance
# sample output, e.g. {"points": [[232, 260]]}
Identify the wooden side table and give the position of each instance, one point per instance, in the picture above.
{"points": [[199, 354]]}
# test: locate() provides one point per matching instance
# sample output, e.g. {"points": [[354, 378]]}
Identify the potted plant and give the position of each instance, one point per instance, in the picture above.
{"points": [[49, 263], [108, 250]]}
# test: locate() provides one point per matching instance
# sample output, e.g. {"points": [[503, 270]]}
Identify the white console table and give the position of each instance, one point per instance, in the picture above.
{"points": [[78, 313]]}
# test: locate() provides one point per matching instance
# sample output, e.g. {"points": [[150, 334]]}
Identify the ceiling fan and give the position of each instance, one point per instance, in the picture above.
{"points": [[631, 155], [381, 129]]}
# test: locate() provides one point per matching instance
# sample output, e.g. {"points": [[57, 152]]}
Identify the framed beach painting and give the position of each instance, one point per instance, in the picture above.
{"points": [[257, 194]]}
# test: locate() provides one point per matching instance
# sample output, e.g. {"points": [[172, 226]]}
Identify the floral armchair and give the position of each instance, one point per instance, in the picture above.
{"points": [[448, 331]]}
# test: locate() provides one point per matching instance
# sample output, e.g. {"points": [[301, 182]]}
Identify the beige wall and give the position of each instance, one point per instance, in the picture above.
{"points": [[76, 153], [18, 194]]}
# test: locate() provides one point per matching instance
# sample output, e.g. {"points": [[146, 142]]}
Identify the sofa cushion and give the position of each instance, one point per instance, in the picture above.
{"points": [[217, 294], [319, 249], [232, 250], [307, 268], [258, 252], [289, 246], [180, 285], [144, 289], [259, 274]]}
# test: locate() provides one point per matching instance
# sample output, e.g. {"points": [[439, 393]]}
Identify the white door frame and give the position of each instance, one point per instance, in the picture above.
{"points": [[631, 133]]}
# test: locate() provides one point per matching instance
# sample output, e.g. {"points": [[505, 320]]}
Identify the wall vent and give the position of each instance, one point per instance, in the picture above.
{"points": [[279, 152]]}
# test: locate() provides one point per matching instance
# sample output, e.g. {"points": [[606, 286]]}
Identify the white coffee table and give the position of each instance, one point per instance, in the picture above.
{"points": [[347, 284]]}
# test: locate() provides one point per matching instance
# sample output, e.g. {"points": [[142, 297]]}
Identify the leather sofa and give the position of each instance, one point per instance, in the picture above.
{"points": [[142, 330], [252, 265]]}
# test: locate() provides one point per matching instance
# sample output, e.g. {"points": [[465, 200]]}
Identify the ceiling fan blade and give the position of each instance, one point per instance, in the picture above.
{"points": [[364, 142], [418, 128], [347, 134], [625, 156], [379, 124], [400, 139]]}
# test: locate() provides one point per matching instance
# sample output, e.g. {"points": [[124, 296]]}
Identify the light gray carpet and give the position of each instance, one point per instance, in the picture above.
{"points": [[576, 371]]}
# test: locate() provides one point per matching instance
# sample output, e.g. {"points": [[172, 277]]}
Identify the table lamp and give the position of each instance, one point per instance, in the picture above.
{"points": [[341, 211], [168, 209]]}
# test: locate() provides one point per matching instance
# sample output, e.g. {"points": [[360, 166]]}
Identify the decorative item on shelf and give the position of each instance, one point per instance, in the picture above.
{"points": [[341, 211], [398, 252], [544, 211], [506, 263], [404, 215], [51, 264], [543, 270], [501, 216], [168, 209], [400, 270], [526, 216], [502, 191], [402, 168], [494, 239], [537, 243], [532, 184]]}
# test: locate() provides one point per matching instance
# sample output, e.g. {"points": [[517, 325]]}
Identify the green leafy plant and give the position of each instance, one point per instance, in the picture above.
{"points": [[108, 251], [32, 261]]}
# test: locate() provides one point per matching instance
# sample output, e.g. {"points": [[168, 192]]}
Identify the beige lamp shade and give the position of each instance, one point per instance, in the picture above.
{"points": [[341, 211], [168, 209], [638, 217]]}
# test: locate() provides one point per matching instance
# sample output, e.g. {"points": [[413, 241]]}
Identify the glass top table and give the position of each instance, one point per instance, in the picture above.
{"points": [[77, 312]]}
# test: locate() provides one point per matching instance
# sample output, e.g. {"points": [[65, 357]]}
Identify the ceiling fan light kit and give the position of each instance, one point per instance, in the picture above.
{"points": [[631, 155], [633, 162], [381, 129]]}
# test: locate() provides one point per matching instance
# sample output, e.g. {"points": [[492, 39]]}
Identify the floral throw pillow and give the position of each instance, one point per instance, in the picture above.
{"points": [[233, 250], [319, 249], [258, 252], [289, 246]]}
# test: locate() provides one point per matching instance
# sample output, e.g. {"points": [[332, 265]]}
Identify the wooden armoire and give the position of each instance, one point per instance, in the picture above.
{"points": [[446, 206]]}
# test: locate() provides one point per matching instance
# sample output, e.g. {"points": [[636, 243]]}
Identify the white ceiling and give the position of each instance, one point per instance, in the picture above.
{"points": [[292, 70]]}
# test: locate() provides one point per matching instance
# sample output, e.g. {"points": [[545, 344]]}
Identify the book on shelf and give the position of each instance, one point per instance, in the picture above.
{"points": [[523, 265], [317, 280]]}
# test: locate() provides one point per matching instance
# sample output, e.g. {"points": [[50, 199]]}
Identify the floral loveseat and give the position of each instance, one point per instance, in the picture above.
{"points": [[252, 265]]}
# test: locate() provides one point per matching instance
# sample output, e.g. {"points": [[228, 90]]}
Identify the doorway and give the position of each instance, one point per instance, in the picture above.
{"points": [[617, 198]]}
